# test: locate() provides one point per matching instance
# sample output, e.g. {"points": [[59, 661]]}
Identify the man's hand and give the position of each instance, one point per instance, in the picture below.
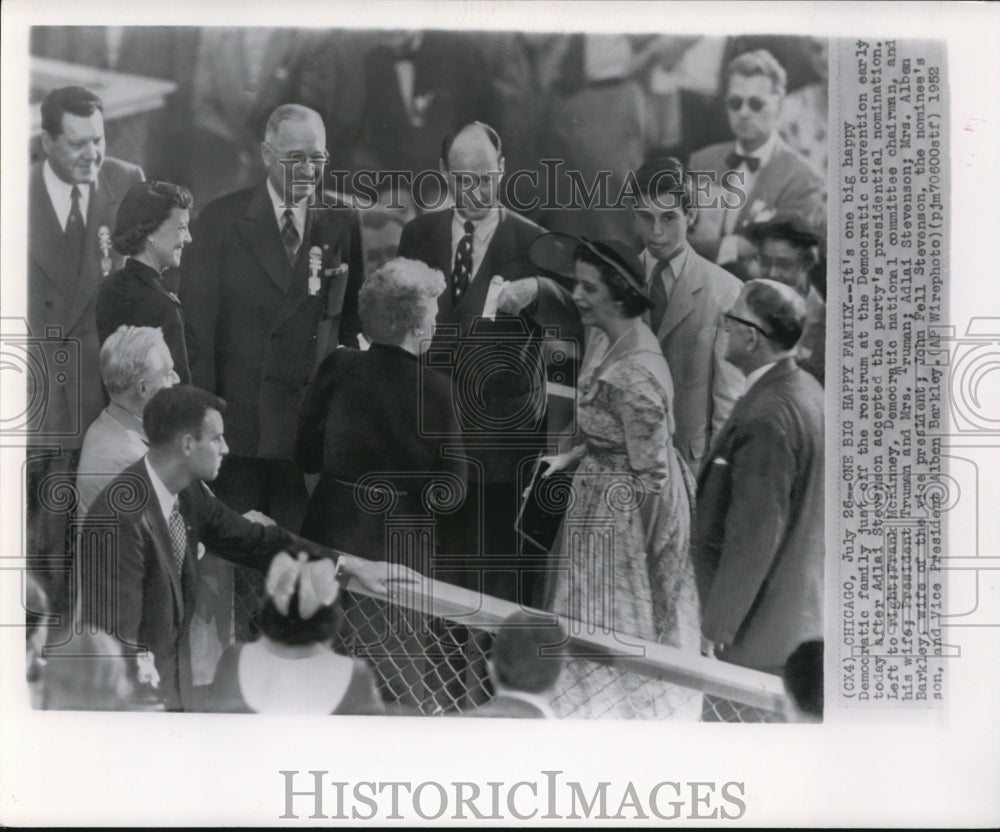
{"points": [[517, 294], [708, 648], [255, 516], [378, 577]]}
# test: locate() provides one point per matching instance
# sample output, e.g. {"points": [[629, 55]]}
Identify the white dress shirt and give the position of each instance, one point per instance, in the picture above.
{"points": [[163, 495], [677, 265], [61, 195], [299, 211], [481, 237], [728, 249]]}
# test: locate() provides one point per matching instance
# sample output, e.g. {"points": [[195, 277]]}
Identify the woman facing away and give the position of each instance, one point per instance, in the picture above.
{"points": [[291, 667], [624, 568]]}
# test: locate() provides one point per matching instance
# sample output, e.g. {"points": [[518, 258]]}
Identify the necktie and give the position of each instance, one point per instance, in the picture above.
{"points": [[290, 235], [75, 229], [734, 160], [461, 274], [178, 536], [662, 273]]}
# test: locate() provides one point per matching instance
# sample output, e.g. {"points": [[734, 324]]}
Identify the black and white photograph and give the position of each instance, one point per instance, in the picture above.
{"points": [[414, 364]]}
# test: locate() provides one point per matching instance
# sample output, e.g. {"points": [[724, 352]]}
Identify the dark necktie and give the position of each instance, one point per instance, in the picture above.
{"points": [[658, 294], [734, 159], [461, 274], [290, 235], [178, 536], [75, 229]]}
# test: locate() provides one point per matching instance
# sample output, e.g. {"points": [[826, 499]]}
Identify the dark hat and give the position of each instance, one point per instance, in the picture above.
{"points": [[554, 255], [786, 226]]}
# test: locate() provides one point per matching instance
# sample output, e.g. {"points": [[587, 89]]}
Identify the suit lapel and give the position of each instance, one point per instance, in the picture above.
{"points": [[99, 213], [501, 249], [47, 241], [259, 229], [160, 536], [437, 253], [683, 299], [765, 185]]}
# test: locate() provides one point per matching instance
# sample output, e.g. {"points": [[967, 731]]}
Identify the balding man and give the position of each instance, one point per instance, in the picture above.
{"points": [[759, 517], [135, 365], [500, 402], [270, 286]]}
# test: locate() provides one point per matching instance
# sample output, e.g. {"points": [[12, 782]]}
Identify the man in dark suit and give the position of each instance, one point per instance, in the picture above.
{"points": [[489, 338], [770, 176], [759, 517], [525, 664], [270, 286], [164, 515], [690, 295], [73, 197]]}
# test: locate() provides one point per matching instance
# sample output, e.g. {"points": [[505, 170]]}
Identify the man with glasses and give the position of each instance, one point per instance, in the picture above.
{"points": [[270, 285], [757, 175], [758, 544]]}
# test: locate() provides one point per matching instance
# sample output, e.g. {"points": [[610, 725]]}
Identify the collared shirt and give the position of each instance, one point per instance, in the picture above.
{"points": [[756, 376], [481, 237], [764, 153], [163, 495], [677, 265], [299, 211], [61, 195], [539, 702]]}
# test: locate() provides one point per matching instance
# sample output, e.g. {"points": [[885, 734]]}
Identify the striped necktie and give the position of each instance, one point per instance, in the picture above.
{"points": [[290, 235]]}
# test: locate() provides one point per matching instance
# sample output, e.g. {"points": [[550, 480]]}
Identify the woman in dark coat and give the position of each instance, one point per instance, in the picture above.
{"points": [[379, 427], [151, 229]]}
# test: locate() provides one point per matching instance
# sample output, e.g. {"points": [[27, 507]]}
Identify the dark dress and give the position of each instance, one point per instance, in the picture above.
{"points": [[380, 429], [135, 295]]}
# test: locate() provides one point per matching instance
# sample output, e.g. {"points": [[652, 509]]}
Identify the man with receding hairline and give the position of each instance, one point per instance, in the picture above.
{"points": [[758, 543]]}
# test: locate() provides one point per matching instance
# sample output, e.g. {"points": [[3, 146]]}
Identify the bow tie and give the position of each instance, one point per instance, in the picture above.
{"points": [[734, 160]]}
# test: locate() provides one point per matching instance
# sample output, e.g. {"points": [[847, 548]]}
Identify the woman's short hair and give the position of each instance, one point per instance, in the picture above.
{"points": [[393, 299], [633, 305], [291, 628], [125, 354], [145, 207]]}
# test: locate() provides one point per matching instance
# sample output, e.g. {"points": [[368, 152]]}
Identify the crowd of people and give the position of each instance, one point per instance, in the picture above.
{"points": [[255, 401]]}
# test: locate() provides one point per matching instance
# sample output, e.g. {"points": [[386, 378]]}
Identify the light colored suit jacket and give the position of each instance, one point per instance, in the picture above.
{"points": [[114, 441], [692, 337], [786, 184], [758, 544]]}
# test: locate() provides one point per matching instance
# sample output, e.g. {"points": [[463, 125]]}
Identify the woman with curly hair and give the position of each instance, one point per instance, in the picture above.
{"points": [[151, 230]]}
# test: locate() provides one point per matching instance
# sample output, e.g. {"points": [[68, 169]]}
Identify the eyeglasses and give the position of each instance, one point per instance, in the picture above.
{"points": [[728, 317], [735, 103], [298, 158]]}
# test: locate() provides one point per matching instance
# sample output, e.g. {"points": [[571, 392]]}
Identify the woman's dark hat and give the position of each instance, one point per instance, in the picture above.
{"points": [[554, 255]]}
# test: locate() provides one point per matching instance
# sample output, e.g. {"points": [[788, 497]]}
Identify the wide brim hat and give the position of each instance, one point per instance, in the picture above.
{"points": [[554, 255]]}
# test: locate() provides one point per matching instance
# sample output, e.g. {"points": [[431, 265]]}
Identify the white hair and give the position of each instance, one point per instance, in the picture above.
{"points": [[290, 112], [125, 356]]}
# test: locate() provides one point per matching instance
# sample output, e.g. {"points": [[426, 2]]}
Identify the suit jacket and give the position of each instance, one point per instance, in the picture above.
{"points": [[693, 340], [114, 441], [63, 296], [260, 333], [135, 295], [464, 339], [152, 601], [787, 183], [759, 522]]}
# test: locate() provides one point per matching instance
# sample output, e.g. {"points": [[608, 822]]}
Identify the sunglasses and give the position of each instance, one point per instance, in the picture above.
{"points": [[735, 103], [728, 317]]}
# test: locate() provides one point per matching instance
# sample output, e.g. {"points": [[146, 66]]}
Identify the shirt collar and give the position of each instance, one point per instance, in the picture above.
{"points": [[677, 263], [539, 702], [764, 152], [163, 495], [756, 376], [61, 193], [484, 227], [298, 209]]}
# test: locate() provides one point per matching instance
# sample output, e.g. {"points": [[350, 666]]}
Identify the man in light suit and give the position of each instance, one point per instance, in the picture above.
{"points": [[163, 514], [501, 404], [525, 664], [756, 176], [758, 540], [270, 286], [690, 294], [135, 365], [73, 196]]}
